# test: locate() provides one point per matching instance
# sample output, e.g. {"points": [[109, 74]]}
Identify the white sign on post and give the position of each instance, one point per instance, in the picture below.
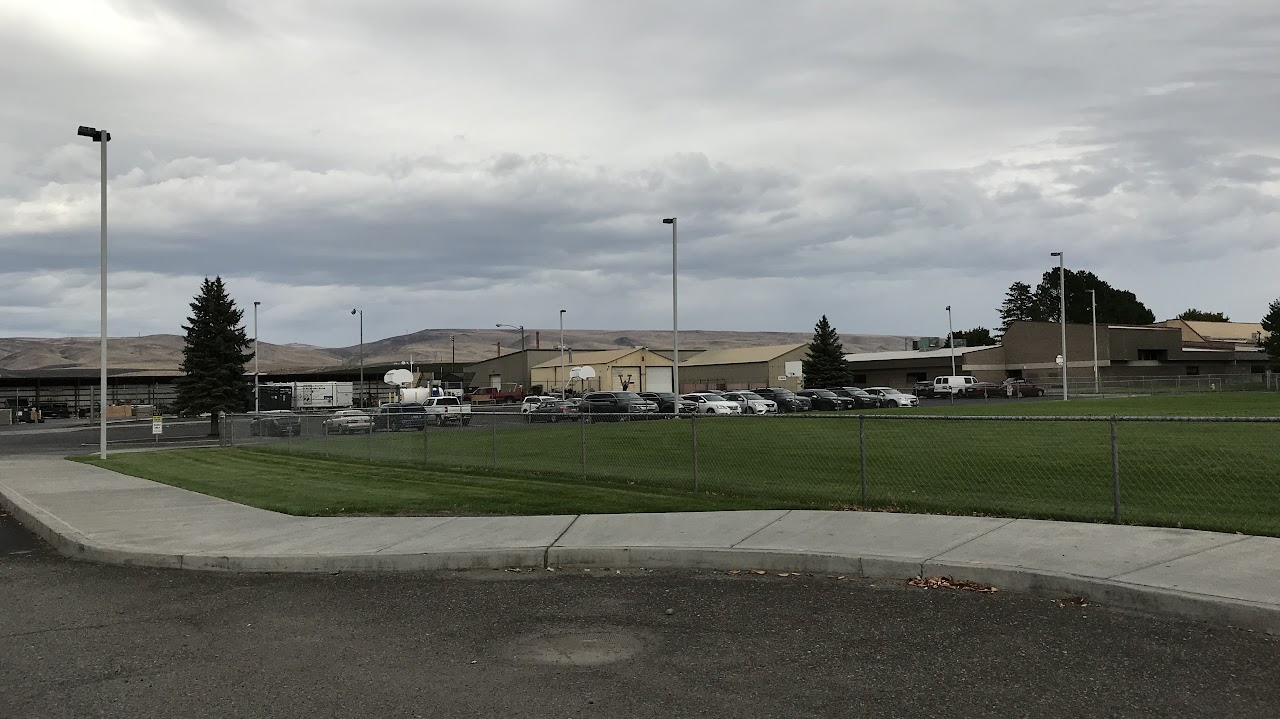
{"points": [[157, 424]]}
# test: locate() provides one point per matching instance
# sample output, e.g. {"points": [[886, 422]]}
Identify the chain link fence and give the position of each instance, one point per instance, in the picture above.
{"points": [[1213, 473]]}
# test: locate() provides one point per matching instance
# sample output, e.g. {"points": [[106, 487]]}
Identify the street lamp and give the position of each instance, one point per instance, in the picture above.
{"points": [[675, 312], [562, 373], [364, 401], [255, 357], [102, 137], [1062, 315], [1093, 302], [525, 387], [951, 341]]}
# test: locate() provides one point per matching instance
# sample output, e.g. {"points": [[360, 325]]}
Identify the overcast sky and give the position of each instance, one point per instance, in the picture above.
{"points": [[460, 164]]}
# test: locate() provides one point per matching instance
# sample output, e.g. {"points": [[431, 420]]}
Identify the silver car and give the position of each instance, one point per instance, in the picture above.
{"points": [[897, 398], [751, 403]]}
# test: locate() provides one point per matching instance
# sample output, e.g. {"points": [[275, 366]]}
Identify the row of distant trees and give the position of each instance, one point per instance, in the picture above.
{"points": [[825, 365]]}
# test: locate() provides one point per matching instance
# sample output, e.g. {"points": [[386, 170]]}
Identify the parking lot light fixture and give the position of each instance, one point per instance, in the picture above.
{"points": [[364, 401], [1062, 314], [255, 357], [525, 386], [562, 367], [1093, 304], [951, 341], [675, 311], [102, 137]]}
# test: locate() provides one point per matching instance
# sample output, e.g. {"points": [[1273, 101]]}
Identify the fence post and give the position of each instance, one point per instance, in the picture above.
{"points": [[1115, 474], [223, 438], [368, 443], [694, 433], [862, 455], [493, 423], [426, 443], [582, 424]]}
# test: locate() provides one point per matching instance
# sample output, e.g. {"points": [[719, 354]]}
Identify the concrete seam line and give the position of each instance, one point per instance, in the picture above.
{"points": [[450, 520], [1180, 556], [783, 516], [546, 553], [961, 544]]}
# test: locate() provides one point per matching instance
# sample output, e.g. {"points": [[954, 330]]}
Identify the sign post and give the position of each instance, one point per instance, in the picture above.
{"points": [[157, 426]]}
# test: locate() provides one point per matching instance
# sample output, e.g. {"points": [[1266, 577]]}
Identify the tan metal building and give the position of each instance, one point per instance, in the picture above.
{"points": [[744, 368], [508, 369], [634, 369]]}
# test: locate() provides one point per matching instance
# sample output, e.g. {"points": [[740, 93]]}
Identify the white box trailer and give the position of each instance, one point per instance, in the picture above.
{"points": [[318, 395]]}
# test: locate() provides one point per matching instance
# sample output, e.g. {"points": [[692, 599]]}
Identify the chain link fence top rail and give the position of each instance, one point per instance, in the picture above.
{"points": [[1213, 473]]}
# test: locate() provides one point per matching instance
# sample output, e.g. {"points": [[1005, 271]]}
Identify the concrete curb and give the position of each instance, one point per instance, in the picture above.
{"points": [[1237, 613]]}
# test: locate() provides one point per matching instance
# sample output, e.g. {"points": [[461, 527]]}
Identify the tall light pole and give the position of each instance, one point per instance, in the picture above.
{"points": [[951, 341], [255, 357], [1093, 302], [1062, 315], [675, 311], [364, 401], [562, 372], [523, 351], [102, 137]]}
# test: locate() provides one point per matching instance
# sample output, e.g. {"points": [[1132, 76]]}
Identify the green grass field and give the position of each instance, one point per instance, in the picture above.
{"points": [[1221, 476]]}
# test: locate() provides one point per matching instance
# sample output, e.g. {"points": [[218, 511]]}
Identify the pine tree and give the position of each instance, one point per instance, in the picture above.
{"points": [[1271, 323], [825, 365], [214, 355], [976, 337], [1019, 304]]}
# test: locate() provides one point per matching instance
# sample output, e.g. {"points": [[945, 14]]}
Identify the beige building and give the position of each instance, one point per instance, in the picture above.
{"points": [[633, 369], [745, 368], [1240, 333]]}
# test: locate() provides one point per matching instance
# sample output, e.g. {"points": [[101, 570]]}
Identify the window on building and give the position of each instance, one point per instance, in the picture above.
{"points": [[859, 379], [1013, 374], [1193, 369], [1257, 369], [917, 376], [1153, 355]]}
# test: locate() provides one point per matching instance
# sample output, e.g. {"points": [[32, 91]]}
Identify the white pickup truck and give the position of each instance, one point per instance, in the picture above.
{"points": [[442, 410]]}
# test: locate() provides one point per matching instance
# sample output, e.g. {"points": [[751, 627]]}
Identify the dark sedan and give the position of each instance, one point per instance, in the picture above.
{"points": [[555, 410], [276, 423], [824, 400], [861, 398]]}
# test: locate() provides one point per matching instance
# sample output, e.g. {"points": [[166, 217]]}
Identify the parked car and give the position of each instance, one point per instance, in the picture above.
{"points": [[397, 416], [751, 403], [347, 421], [532, 401], [711, 403], [898, 399], [275, 423], [803, 404], [617, 405], [824, 400], [982, 390], [922, 388], [1021, 388], [666, 401], [861, 398], [555, 410], [785, 399]]}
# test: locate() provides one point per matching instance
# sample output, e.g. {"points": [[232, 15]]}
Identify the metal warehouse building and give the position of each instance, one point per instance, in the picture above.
{"points": [[744, 368], [637, 369]]}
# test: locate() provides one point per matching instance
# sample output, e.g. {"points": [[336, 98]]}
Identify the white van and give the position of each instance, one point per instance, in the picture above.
{"points": [[952, 384]]}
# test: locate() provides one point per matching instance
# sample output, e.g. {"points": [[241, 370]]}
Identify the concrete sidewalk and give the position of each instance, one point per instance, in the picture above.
{"points": [[95, 514]]}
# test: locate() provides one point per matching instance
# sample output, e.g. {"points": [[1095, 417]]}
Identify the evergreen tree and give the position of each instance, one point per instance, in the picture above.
{"points": [[825, 365], [1019, 304], [1271, 323], [1114, 305], [976, 337], [214, 355], [1194, 315]]}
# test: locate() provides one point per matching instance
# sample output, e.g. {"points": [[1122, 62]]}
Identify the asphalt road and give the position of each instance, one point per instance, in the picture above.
{"points": [[62, 438], [84, 640]]}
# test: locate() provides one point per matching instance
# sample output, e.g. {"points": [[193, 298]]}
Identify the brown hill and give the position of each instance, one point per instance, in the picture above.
{"points": [[164, 352]]}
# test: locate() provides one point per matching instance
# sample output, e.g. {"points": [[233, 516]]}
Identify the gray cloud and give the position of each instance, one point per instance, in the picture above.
{"points": [[479, 161]]}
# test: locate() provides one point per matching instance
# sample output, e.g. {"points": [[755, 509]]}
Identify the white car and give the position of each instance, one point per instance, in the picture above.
{"points": [[898, 398], [752, 403], [346, 421], [711, 403], [531, 402]]}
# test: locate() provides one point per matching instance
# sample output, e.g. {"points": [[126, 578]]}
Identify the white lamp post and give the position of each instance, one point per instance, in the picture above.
{"points": [[102, 137], [1093, 302], [563, 380], [675, 312], [1062, 314], [364, 401], [951, 341], [255, 357]]}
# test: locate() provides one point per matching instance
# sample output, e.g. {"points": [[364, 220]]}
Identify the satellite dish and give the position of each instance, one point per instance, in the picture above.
{"points": [[583, 372], [398, 378]]}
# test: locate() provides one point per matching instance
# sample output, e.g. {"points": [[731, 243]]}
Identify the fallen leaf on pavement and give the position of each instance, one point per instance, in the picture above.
{"points": [[757, 571], [950, 583]]}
